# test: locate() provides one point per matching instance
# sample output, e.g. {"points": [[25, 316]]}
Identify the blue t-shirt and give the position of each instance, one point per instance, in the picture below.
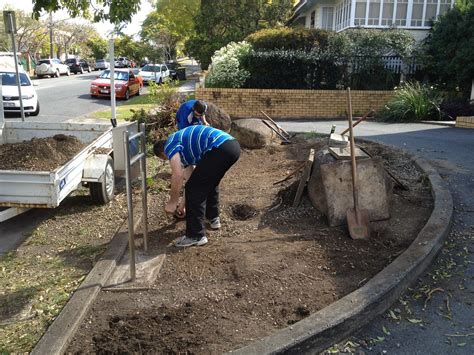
{"points": [[185, 115], [193, 142]]}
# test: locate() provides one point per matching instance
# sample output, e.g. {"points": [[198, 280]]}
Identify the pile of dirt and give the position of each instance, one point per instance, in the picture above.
{"points": [[269, 266], [39, 154]]}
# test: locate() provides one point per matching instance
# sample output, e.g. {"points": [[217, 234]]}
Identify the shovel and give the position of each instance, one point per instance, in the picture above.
{"points": [[357, 219]]}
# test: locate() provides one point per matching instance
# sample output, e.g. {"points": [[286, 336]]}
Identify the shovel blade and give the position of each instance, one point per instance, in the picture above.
{"points": [[358, 229]]}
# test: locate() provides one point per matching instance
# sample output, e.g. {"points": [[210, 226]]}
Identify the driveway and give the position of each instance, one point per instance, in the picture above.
{"points": [[436, 316]]}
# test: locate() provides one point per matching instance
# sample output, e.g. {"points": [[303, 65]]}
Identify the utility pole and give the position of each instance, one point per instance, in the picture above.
{"points": [[51, 54], [10, 27]]}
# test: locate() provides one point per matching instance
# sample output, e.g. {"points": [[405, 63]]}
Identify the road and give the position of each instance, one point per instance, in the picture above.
{"points": [[66, 97], [441, 303]]}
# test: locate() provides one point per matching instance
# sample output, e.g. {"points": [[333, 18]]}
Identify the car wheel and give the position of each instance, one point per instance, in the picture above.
{"points": [[139, 92], [160, 81], [82, 70], [37, 111], [89, 69], [68, 72], [57, 74], [127, 94], [40, 76]]}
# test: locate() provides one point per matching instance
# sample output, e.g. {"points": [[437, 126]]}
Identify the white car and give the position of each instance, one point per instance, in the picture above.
{"points": [[11, 99], [158, 73], [51, 67]]}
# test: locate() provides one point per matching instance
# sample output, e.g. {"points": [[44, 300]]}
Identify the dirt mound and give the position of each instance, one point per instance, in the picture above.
{"points": [[39, 154], [268, 267]]}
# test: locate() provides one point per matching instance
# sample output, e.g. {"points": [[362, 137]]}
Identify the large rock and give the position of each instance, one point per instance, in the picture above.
{"points": [[330, 188], [217, 117], [252, 133]]}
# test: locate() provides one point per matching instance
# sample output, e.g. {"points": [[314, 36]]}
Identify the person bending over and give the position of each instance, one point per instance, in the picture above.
{"points": [[201, 155], [190, 113]]}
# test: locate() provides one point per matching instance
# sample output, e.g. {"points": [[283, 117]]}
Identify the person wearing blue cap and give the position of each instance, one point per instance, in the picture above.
{"points": [[201, 156]]}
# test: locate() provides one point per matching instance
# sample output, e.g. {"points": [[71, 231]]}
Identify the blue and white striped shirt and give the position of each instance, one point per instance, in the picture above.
{"points": [[193, 142]]}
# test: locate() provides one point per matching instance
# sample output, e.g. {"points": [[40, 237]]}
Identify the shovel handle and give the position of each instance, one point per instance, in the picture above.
{"points": [[358, 121], [353, 159]]}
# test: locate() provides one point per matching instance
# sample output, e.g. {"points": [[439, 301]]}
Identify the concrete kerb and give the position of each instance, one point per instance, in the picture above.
{"points": [[338, 320], [314, 333], [57, 337]]}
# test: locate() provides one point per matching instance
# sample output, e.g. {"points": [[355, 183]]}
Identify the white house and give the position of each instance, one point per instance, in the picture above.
{"points": [[339, 15]]}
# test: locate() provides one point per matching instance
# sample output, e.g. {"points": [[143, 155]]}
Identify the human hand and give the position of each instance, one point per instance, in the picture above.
{"points": [[181, 210], [170, 207]]}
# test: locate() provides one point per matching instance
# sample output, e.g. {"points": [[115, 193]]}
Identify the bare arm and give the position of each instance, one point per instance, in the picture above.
{"points": [[187, 174], [204, 121], [177, 175]]}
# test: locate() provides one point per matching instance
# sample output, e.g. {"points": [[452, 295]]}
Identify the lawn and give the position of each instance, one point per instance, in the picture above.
{"points": [[125, 110]]}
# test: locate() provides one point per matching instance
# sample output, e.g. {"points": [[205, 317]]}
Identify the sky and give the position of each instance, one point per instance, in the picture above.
{"points": [[103, 28]]}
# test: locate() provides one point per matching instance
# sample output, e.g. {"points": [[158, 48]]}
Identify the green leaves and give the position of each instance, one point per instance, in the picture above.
{"points": [[450, 49], [115, 11]]}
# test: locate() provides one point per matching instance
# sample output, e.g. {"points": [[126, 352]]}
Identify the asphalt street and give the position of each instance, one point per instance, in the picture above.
{"points": [[436, 315]]}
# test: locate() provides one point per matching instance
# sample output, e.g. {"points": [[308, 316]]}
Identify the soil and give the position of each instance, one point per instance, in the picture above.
{"points": [[39, 154], [269, 266]]}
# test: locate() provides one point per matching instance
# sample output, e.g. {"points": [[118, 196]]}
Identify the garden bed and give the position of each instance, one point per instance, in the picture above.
{"points": [[270, 265]]}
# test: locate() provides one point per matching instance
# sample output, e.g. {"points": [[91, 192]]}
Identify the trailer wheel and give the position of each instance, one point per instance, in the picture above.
{"points": [[103, 192]]}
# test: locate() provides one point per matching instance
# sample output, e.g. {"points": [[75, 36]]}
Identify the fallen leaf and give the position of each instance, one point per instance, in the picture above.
{"points": [[414, 321]]}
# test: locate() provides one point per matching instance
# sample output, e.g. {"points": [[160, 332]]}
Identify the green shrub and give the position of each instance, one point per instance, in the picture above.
{"points": [[291, 70], [412, 102], [225, 70], [288, 39], [160, 121]]}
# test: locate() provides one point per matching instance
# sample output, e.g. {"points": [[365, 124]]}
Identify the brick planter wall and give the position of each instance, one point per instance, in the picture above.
{"points": [[465, 121], [246, 103]]}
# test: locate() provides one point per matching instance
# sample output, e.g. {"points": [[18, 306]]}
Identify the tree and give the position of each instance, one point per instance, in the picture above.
{"points": [[450, 49], [170, 25], [98, 47], [115, 11], [73, 37], [221, 22], [31, 34], [126, 46], [277, 12]]}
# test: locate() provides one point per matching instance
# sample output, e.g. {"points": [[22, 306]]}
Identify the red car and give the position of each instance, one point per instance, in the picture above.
{"points": [[126, 84]]}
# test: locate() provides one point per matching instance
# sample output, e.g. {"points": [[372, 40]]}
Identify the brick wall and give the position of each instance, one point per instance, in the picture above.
{"points": [[246, 103], [465, 121]]}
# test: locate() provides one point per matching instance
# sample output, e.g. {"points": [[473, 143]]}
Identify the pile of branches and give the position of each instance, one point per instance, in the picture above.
{"points": [[160, 122]]}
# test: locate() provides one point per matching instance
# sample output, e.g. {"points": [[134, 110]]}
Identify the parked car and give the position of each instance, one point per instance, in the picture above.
{"points": [[78, 65], [126, 84], [122, 62], [102, 64], [11, 98], [51, 67], [158, 73], [173, 68]]}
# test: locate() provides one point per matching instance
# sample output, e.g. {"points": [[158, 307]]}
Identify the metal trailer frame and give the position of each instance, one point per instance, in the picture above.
{"points": [[21, 190]]}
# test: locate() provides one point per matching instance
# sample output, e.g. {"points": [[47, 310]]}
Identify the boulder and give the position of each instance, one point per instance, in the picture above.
{"points": [[217, 117], [330, 188], [251, 133]]}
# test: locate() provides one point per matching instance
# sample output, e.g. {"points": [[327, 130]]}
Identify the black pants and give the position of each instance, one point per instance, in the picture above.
{"points": [[202, 188]]}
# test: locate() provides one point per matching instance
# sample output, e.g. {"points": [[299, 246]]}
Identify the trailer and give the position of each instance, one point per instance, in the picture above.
{"points": [[95, 166]]}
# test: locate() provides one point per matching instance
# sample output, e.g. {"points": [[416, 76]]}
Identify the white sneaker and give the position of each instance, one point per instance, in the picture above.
{"points": [[184, 242], [215, 223]]}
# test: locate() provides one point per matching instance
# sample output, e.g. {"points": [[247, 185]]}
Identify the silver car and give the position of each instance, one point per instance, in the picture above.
{"points": [[51, 67], [102, 64]]}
